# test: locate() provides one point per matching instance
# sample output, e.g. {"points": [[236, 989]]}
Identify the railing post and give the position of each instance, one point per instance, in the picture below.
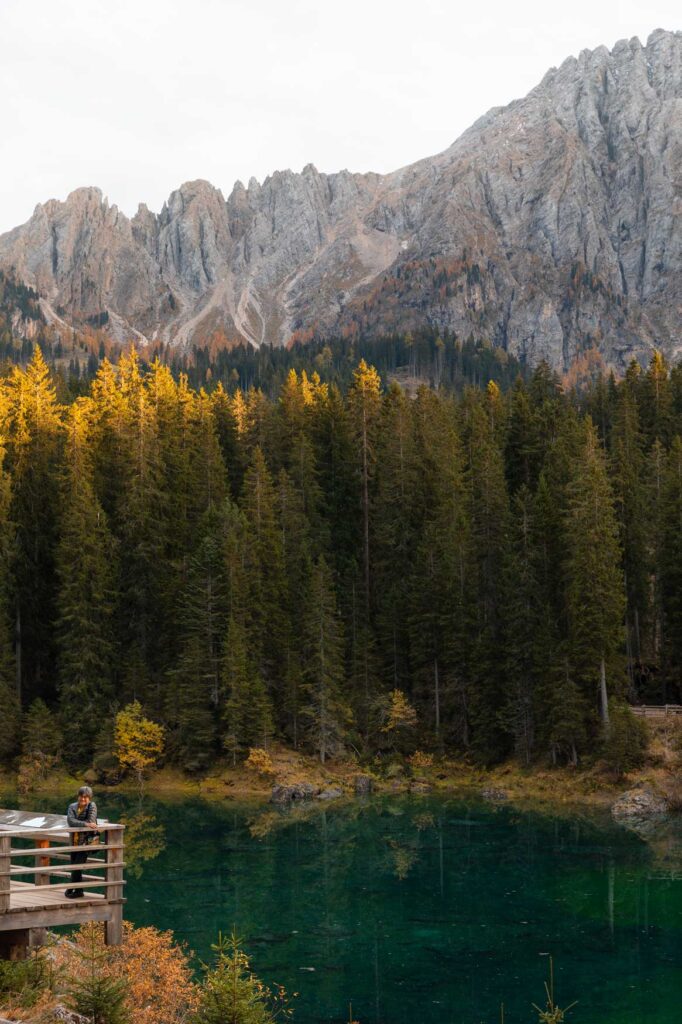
{"points": [[5, 861], [113, 929], [43, 862]]}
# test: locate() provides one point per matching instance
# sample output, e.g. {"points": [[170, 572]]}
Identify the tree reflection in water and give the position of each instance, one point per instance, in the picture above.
{"points": [[145, 839]]}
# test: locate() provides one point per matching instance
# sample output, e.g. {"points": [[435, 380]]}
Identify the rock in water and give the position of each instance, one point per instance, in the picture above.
{"points": [[642, 802], [363, 785], [296, 791], [493, 794]]}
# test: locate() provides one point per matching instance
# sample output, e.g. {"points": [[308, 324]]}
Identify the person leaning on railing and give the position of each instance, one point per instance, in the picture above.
{"points": [[81, 814]]}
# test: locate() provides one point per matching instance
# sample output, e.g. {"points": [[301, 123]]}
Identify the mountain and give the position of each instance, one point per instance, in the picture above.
{"points": [[550, 227]]}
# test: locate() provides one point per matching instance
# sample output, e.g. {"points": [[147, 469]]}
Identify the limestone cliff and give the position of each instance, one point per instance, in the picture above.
{"points": [[551, 226]]}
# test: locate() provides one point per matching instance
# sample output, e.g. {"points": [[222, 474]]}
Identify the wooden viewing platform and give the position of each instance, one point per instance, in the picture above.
{"points": [[656, 710], [35, 872]]}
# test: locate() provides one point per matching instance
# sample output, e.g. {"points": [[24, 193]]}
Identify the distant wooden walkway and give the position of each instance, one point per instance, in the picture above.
{"points": [[39, 846], [657, 710]]}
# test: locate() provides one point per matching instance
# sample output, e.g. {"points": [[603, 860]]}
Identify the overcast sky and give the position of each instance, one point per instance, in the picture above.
{"points": [[137, 96]]}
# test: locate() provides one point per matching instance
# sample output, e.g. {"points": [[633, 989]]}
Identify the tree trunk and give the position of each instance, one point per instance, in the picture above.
{"points": [[436, 694], [603, 696], [365, 508], [17, 651]]}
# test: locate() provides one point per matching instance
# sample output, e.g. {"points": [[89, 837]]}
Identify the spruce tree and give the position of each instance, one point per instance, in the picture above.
{"points": [[629, 483], [263, 573], [86, 568], [247, 711], [441, 584], [490, 536], [656, 398], [230, 994], [671, 571], [594, 579], [394, 513], [194, 681], [297, 545], [523, 622], [141, 521], [9, 698], [34, 435], [325, 706], [364, 403]]}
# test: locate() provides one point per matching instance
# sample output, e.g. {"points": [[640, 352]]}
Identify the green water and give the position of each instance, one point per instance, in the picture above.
{"points": [[420, 911]]}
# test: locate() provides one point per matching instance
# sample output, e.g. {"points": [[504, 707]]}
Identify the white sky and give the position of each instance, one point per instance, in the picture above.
{"points": [[137, 96]]}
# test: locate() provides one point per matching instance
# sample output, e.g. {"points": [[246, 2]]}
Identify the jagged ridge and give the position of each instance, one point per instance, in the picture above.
{"points": [[550, 226]]}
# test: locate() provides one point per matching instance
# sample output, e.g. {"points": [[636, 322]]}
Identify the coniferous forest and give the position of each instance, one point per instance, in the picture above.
{"points": [[254, 568]]}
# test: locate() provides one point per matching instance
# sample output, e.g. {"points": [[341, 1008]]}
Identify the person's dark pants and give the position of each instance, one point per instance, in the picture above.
{"points": [[78, 858]]}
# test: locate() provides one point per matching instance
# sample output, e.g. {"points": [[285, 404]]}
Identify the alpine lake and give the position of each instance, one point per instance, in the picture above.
{"points": [[418, 910]]}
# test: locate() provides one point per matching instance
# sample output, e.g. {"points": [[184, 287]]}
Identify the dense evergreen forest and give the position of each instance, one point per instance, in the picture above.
{"points": [[254, 568]]}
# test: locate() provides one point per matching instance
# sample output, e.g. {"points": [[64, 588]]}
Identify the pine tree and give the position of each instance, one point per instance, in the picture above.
{"points": [[325, 708], [263, 573], [394, 511], [228, 438], [86, 568], [364, 409], [595, 589], [296, 552], [671, 569], [523, 622], [490, 535], [194, 682], [442, 577], [629, 464], [230, 994], [334, 448], [364, 403], [92, 991], [9, 699], [41, 738], [656, 396], [247, 712], [656, 474], [34, 432], [142, 523]]}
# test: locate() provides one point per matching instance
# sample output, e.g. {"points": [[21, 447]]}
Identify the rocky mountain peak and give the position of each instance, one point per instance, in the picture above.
{"points": [[550, 227]]}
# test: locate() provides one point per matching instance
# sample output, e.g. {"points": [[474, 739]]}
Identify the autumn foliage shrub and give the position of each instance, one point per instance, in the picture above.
{"points": [[259, 761], [138, 742], [154, 971], [421, 762]]}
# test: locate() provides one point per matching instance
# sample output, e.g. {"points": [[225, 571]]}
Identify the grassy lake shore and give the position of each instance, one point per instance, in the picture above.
{"points": [[533, 786]]}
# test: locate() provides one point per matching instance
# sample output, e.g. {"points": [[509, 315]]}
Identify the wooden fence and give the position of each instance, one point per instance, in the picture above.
{"points": [[657, 710], [36, 871]]}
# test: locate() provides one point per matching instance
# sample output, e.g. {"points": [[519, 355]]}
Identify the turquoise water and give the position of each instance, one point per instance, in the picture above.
{"points": [[420, 910]]}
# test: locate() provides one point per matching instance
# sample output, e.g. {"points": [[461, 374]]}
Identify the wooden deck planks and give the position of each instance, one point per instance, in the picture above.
{"points": [[29, 906], [24, 897]]}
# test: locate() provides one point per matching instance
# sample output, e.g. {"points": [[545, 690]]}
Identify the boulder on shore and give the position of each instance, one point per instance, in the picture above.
{"points": [[642, 802], [296, 791], [493, 794], [333, 793], [364, 784]]}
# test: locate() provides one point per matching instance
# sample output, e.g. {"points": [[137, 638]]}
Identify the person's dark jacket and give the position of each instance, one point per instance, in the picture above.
{"points": [[75, 819]]}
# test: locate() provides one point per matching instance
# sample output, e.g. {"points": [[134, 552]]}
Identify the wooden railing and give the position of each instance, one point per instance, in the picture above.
{"points": [[48, 853], [657, 710]]}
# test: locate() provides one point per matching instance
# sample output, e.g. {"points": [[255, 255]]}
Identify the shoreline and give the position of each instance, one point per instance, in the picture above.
{"points": [[508, 783]]}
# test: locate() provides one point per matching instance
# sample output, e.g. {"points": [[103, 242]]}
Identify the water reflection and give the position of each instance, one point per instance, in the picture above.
{"points": [[424, 910], [145, 839]]}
